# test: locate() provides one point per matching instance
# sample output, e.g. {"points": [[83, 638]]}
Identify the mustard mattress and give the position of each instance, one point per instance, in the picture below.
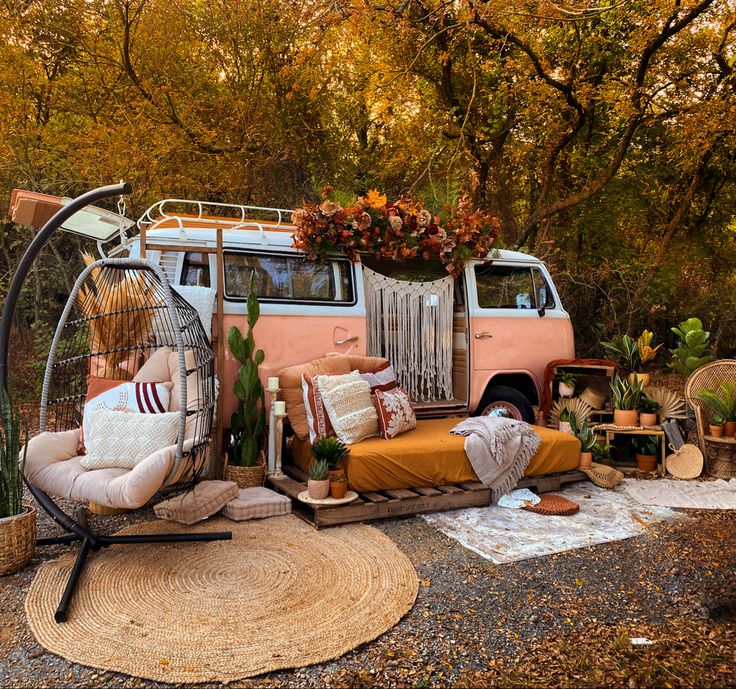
{"points": [[430, 456]]}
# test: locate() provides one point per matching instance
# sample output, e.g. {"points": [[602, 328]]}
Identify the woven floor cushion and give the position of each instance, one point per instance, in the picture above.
{"points": [[554, 505], [256, 503], [204, 500]]}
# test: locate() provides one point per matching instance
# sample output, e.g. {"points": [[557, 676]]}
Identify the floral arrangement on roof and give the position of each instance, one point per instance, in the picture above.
{"points": [[396, 230]]}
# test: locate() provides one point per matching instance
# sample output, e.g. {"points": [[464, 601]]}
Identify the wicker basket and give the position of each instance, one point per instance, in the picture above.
{"points": [[246, 477], [720, 457], [17, 540]]}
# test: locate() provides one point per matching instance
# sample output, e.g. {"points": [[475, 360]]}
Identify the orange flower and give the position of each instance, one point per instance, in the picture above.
{"points": [[375, 199]]}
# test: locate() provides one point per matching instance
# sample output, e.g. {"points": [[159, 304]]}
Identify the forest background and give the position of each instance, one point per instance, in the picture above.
{"points": [[600, 133]]}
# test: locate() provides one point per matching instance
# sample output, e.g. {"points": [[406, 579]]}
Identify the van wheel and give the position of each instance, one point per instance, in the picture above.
{"points": [[505, 401]]}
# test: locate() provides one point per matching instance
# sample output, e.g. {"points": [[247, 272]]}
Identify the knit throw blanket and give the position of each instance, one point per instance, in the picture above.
{"points": [[499, 450]]}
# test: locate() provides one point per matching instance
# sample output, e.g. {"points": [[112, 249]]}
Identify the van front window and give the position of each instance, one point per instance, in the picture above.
{"points": [[512, 287], [287, 278]]}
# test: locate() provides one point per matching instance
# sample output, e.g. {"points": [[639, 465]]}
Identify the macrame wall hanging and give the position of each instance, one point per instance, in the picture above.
{"points": [[410, 324]]}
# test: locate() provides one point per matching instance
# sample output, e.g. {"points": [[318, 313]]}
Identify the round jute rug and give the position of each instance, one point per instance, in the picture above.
{"points": [[279, 595]]}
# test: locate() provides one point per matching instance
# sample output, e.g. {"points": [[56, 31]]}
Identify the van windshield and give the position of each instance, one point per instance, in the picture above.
{"points": [[512, 287], [287, 278]]}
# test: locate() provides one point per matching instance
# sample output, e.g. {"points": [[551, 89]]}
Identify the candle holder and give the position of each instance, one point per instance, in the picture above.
{"points": [[275, 437]]}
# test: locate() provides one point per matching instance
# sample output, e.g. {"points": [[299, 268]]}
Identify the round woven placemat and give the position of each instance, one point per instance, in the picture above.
{"points": [[554, 505], [279, 595]]}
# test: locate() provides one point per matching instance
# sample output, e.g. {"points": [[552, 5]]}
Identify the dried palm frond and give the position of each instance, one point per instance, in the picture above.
{"points": [[671, 405], [575, 405], [119, 321]]}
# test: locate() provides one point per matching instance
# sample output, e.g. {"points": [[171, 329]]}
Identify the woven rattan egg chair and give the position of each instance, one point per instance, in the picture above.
{"points": [[122, 322]]}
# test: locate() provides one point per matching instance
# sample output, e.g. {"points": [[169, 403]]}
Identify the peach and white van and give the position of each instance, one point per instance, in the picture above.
{"points": [[508, 321]]}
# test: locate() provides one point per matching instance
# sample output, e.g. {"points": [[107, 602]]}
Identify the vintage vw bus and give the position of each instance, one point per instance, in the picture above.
{"points": [[503, 321]]}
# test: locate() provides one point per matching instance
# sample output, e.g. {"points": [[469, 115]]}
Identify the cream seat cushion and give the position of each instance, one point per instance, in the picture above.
{"points": [[54, 465]]}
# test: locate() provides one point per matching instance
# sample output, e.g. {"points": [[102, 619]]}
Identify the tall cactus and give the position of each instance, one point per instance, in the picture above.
{"points": [[249, 422], [11, 481]]}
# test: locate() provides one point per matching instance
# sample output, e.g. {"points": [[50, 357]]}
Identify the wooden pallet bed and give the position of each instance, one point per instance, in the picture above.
{"points": [[394, 503]]}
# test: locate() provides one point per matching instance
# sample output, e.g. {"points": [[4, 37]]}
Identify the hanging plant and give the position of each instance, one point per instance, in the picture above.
{"points": [[397, 231]]}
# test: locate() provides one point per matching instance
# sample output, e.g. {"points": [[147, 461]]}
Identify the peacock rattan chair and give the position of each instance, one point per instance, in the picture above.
{"points": [[720, 454], [121, 317]]}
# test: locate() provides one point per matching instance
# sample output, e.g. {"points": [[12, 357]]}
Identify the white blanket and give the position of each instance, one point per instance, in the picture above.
{"points": [[695, 495]]}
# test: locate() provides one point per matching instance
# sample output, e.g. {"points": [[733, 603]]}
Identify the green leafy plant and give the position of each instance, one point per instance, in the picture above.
{"points": [[647, 353], [248, 423], [601, 452], [11, 470], [583, 433], [717, 419], [318, 470], [338, 478], [722, 401], [625, 351], [645, 444], [568, 378], [693, 348], [331, 450], [648, 406], [626, 395], [565, 416]]}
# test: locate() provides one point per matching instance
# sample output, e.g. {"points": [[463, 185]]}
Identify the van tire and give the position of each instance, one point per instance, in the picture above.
{"points": [[516, 400]]}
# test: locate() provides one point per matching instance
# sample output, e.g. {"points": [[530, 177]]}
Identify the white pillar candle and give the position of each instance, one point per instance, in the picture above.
{"points": [[273, 384], [280, 408]]}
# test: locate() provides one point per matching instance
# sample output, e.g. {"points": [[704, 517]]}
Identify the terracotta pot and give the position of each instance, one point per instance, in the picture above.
{"points": [[566, 390], [646, 462], [716, 431], [586, 460], [318, 490], [565, 427], [332, 473], [729, 429], [643, 377], [338, 489], [625, 417], [646, 419]]}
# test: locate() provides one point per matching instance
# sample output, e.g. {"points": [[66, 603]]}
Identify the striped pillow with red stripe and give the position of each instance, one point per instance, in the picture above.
{"points": [[121, 395]]}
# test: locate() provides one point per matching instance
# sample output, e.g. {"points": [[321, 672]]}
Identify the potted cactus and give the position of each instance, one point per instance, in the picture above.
{"points": [[246, 464], [587, 441], [338, 486], [333, 452], [566, 384], [626, 398], [318, 485], [716, 425], [17, 521]]}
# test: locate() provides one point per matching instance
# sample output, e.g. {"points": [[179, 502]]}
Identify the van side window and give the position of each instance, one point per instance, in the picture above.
{"points": [[196, 270], [288, 278], [512, 287]]}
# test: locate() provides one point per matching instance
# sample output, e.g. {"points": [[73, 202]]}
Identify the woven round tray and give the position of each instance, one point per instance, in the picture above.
{"points": [[328, 502], [554, 505]]}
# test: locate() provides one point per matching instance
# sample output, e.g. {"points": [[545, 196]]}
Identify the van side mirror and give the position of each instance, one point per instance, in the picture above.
{"points": [[541, 312]]}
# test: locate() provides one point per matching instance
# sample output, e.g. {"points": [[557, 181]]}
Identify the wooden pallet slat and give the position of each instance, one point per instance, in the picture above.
{"points": [[450, 489], [475, 485], [373, 497], [400, 493], [427, 491]]}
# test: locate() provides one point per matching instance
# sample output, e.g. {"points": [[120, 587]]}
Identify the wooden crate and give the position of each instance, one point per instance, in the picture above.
{"points": [[596, 376], [379, 504], [398, 503]]}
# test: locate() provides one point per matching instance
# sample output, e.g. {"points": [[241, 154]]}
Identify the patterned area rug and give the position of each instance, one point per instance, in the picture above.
{"points": [[505, 535]]}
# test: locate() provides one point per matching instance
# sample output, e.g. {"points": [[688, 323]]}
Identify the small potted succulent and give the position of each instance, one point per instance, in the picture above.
{"points": [[338, 486], [565, 421], [587, 441], [318, 485], [648, 411], [332, 451], [716, 425], [566, 384], [646, 452], [626, 398]]}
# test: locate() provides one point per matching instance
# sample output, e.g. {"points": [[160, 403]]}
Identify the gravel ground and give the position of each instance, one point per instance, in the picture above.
{"points": [[563, 619]]}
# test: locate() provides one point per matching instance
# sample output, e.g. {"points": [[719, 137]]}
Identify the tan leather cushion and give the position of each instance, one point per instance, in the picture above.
{"points": [[290, 381]]}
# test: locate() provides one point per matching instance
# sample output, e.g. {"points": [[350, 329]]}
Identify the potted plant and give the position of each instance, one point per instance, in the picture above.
{"points": [[693, 348], [716, 425], [565, 421], [318, 485], [624, 350], [566, 384], [723, 402], [587, 441], [332, 451], [647, 354], [602, 453], [246, 462], [646, 452], [626, 398], [17, 521], [648, 411], [338, 486]]}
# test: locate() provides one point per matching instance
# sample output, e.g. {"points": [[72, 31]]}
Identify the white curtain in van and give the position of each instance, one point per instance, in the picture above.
{"points": [[410, 324]]}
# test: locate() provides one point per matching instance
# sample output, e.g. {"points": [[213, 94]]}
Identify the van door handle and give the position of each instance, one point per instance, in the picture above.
{"points": [[354, 338], [483, 336]]}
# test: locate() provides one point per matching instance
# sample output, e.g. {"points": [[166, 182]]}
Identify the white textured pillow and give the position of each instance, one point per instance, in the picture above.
{"points": [[123, 439], [347, 399]]}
